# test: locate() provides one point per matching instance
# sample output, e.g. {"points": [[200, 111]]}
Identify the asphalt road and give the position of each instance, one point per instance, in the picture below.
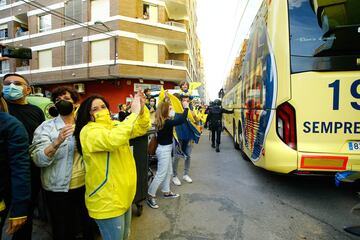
{"points": [[232, 199]]}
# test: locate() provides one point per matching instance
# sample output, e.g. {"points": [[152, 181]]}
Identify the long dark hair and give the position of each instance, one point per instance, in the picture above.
{"points": [[83, 117]]}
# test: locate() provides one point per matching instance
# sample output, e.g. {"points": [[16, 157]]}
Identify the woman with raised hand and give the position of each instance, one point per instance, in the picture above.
{"points": [[164, 124], [110, 177], [62, 167]]}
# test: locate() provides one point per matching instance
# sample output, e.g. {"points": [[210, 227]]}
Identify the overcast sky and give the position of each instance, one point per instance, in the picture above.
{"points": [[221, 28]]}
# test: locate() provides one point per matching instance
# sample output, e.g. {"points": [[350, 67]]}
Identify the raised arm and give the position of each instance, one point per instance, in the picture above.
{"points": [[180, 119]]}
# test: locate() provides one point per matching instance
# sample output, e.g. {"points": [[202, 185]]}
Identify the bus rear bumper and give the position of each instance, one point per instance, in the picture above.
{"points": [[317, 162]]}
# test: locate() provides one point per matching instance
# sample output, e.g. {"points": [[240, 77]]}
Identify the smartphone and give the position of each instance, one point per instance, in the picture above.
{"points": [[16, 52]]}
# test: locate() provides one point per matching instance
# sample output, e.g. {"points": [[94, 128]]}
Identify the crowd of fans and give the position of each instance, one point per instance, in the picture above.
{"points": [[80, 162]]}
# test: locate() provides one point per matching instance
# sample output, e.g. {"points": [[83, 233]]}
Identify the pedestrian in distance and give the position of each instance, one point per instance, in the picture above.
{"points": [[62, 167], [164, 125], [123, 112], [152, 108], [110, 177], [16, 89], [15, 187], [214, 122]]}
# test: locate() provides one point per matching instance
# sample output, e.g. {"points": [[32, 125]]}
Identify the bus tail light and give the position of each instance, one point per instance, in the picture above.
{"points": [[286, 124]]}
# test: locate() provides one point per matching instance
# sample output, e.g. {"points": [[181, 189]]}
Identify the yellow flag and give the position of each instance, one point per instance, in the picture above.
{"points": [[194, 85], [161, 95], [176, 104]]}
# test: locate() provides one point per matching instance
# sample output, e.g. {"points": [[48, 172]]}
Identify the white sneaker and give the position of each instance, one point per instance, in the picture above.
{"points": [[176, 181], [187, 179]]}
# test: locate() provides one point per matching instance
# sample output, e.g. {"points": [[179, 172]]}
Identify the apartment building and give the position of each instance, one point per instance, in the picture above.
{"points": [[107, 47]]}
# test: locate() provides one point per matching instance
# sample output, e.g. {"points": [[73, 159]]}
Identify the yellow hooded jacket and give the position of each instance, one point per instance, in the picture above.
{"points": [[110, 177]]}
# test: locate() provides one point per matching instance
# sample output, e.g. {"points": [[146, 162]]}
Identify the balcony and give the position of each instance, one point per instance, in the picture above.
{"points": [[176, 9], [21, 25], [20, 34], [4, 34], [176, 24], [23, 68], [176, 63]]}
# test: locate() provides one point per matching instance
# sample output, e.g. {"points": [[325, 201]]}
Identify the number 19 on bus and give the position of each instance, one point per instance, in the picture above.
{"points": [[355, 92]]}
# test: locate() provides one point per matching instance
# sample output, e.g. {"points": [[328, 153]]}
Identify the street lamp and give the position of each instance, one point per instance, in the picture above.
{"points": [[115, 38]]}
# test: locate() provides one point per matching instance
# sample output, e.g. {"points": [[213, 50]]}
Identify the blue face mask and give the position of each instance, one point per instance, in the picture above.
{"points": [[13, 92]]}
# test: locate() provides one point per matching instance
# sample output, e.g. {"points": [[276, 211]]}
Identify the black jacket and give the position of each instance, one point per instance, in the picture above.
{"points": [[15, 187], [214, 117]]}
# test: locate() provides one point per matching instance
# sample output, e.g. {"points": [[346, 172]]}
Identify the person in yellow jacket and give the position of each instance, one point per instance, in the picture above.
{"points": [[110, 178]]}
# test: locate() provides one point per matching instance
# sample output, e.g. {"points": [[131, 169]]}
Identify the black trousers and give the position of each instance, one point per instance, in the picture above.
{"points": [[215, 132], [68, 213]]}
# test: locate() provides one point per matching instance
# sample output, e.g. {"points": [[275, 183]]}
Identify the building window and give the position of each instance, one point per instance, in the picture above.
{"points": [[45, 23], [150, 12], [146, 10], [151, 53], [45, 59], [3, 31], [73, 9], [2, 2], [73, 52], [100, 9], [100, 51], [22, 65], [5, 67]]}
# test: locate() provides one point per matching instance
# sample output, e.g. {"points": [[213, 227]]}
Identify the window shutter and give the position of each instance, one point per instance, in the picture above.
{"points": [[78, 10], [153, 13], [100, 9], [45, 59], [151, 53], [73, 52], [73, 9], [78, 51], [100, 51], [69, 52]]}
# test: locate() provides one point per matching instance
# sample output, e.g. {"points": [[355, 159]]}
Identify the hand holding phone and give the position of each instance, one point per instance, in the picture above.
{"points": [[16, 52]]}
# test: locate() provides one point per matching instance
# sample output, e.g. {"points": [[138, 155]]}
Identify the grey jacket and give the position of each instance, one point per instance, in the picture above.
{"points": [[55, 171]]}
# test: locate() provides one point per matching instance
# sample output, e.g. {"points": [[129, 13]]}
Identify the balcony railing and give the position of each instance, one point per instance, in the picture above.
{"points": [[176, 63], [23, 68], [4, 71], [176, 24], [20, 34]]}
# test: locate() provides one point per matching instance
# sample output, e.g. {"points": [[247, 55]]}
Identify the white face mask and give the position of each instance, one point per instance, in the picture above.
{"points": [[172, 114]]}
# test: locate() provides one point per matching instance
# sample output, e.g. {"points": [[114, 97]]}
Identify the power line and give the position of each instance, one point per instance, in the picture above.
{"points": [[64, 17], [234, 40]]}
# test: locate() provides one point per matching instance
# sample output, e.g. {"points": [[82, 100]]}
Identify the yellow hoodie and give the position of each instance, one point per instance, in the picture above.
{"points": [[110, 177]]}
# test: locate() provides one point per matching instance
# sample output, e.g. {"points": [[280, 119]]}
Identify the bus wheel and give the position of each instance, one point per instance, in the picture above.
{"points": [[241, 143], [236, 145]]}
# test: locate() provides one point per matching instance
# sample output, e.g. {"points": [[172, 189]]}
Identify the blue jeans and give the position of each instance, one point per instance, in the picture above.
{"points": [[117, 228], [186, 147], [164, 170]]}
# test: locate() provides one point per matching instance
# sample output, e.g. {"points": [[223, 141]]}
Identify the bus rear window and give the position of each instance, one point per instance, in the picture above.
{"points": [[324, 35]]}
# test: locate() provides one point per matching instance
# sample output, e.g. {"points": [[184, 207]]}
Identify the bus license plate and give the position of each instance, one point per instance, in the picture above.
{"points": [[354, 146]]}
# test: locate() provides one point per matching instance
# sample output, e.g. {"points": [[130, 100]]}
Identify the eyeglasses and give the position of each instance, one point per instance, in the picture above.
{"points": [[17, 83]]}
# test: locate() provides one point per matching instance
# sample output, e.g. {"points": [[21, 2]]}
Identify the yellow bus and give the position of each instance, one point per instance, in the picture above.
{"points": [[295, 87]]}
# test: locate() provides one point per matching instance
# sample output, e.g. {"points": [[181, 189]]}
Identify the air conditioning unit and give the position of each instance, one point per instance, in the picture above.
{"points": [[79, 87]]}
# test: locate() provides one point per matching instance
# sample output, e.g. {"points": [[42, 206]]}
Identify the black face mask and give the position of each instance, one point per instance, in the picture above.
{"points": [[64, 107]]}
